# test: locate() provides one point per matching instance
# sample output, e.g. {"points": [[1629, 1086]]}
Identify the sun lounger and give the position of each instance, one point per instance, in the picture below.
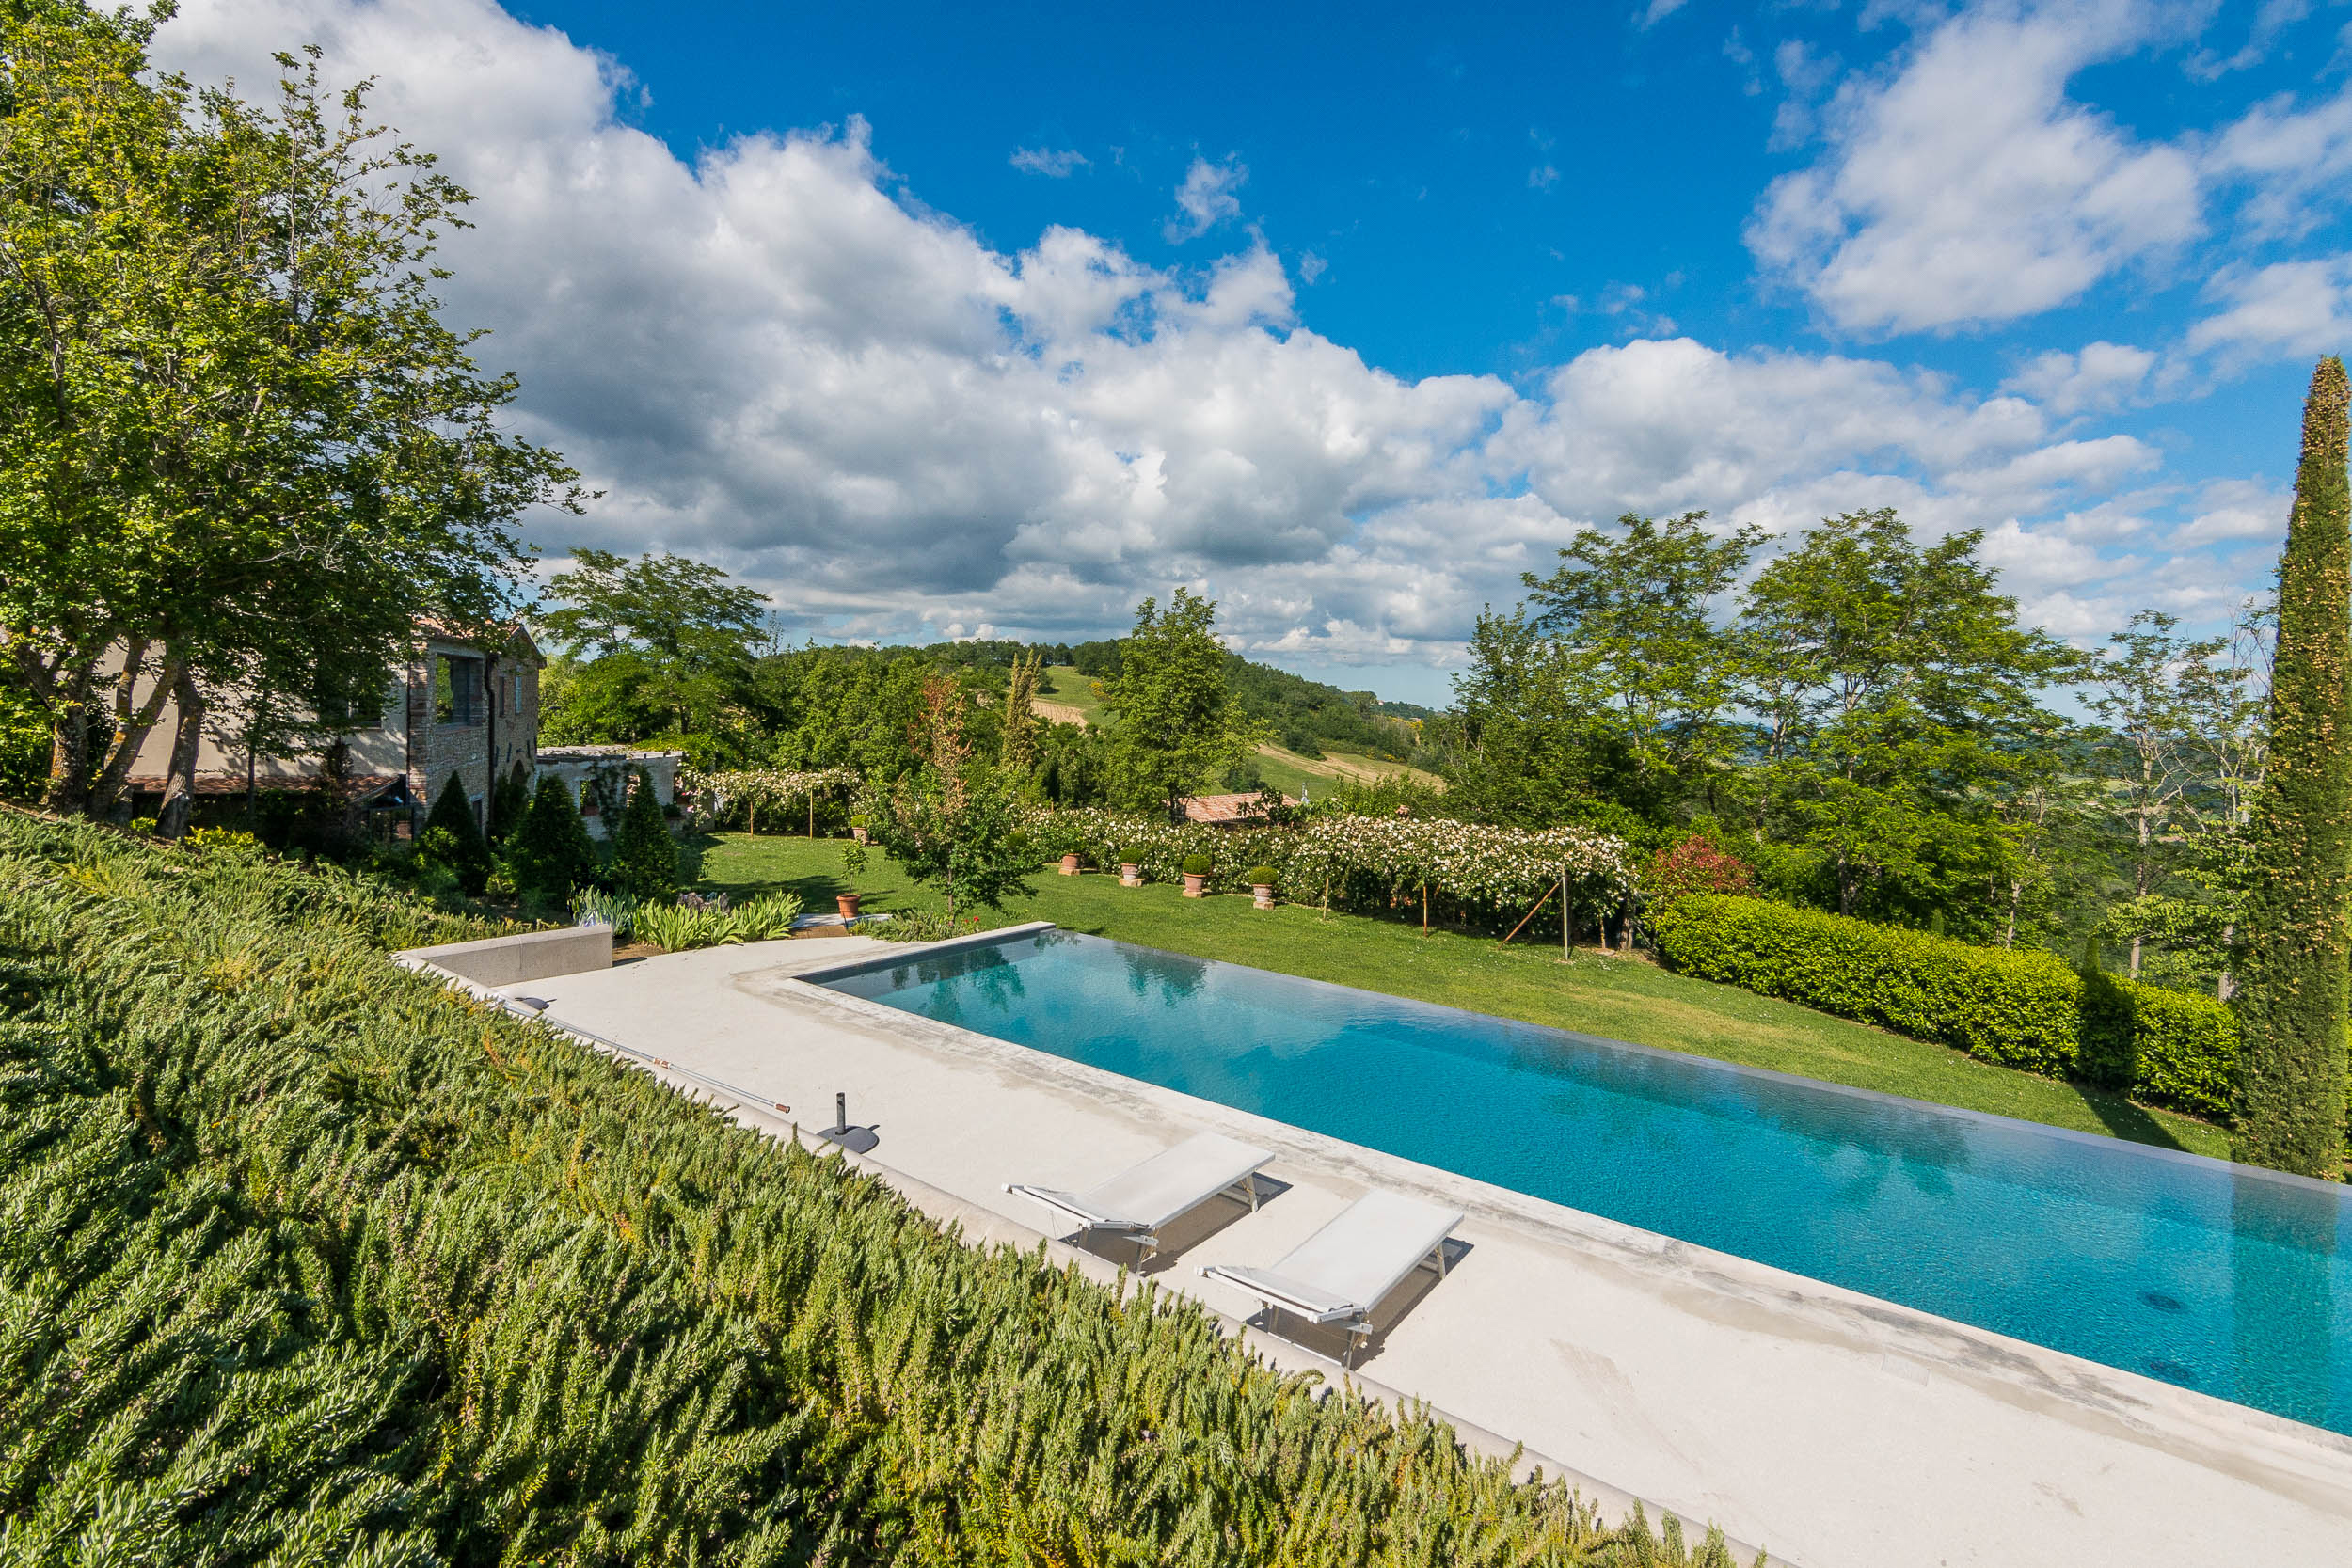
{"points": [[1140, 1201], [1341, 1273]]}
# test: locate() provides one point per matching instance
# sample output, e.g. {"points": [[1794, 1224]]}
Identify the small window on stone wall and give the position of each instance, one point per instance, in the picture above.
{"points": [[457, 694]]}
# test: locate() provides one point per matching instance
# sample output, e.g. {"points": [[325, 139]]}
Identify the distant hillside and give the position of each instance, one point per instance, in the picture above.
{"points": [[1069, 698]]}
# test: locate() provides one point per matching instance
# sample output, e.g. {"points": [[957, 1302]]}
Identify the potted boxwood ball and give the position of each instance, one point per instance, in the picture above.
{"points": [[1131, 868], [858, 825], [1261, 886], [1196, 871]]}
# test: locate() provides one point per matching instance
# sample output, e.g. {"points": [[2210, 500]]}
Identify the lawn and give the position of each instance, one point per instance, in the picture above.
{"points": [[1625, 998]]}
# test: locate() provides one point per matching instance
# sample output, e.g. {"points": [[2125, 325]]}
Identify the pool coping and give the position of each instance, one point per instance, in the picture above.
{"points": [[2061, 1376]]}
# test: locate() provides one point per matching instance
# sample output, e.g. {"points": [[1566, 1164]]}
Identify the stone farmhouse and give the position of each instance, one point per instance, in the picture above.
{"points": [[462, 705]]}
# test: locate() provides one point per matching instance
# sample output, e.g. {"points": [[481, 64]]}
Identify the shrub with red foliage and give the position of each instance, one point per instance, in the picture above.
{"points": [[1695, 865]]}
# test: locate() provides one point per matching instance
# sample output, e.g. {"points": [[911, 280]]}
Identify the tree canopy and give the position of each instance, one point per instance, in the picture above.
{"points": [[241, 452], [1175, 723]]}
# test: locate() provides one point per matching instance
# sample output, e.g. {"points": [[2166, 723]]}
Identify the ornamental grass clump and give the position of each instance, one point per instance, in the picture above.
{"points": [[315, 1260], [694, 920]]}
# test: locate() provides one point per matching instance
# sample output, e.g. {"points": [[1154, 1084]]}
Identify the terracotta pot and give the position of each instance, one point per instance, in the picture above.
{"points": [[1131, 876], [1192, 884], [859, 833], [1070, 866], [1262, 895], [847, 904]]}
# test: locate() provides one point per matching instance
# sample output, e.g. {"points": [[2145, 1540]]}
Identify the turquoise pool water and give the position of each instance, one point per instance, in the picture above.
{"points": [[2204, 1273]]}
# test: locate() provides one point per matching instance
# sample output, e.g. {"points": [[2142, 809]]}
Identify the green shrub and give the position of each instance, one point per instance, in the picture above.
{"points": [[1261, 876], [1197, 865], [509, 798], [2020, 1009], [645, 857], [358, 1269], [453, 837], [2184, 1051], [1130, 855], [550, 856], [929, 925]]}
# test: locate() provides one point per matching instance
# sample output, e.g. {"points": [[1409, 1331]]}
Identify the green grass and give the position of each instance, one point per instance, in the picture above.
{"points": [[1624, 999]]}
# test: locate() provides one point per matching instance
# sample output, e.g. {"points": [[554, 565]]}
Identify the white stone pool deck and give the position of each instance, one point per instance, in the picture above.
{"points": [[1832, 1429]]}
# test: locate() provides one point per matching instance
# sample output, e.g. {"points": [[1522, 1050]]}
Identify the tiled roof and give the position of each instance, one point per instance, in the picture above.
{"points": [[1226, 811], [362, 786]]}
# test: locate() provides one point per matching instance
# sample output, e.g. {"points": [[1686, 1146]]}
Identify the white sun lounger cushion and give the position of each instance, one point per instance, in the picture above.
{"points": [[1147, 1196], [1348, 1267]]}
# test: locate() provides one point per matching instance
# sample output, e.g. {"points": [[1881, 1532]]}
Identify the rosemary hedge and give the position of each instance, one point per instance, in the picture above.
{"points": [[2019, 1009], [305, 1260]]}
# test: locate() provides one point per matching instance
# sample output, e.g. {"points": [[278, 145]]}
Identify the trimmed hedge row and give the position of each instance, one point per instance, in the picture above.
{"points": [[2020, 1009], [305, 1261]]}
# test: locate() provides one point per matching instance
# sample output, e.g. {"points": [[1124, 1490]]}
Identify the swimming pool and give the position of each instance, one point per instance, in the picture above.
{"points": [[2214, 1276]]}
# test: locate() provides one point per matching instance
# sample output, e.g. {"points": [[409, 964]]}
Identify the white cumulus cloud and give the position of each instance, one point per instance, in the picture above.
{"points": [[769, 358], [1963, 185]]}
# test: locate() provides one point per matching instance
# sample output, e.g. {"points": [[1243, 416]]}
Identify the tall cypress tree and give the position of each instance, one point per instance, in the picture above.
{"points": [[2291, 1005]]}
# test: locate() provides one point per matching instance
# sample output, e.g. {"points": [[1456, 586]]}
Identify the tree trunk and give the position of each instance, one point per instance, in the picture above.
{"points": [[2135, 969], [105, 790], [172, 818], [2008, 936], [69, 756]]}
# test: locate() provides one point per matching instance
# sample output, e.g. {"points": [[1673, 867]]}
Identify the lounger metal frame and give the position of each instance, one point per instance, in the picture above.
{"points": [[1145, 1232], [1352, 1318]]}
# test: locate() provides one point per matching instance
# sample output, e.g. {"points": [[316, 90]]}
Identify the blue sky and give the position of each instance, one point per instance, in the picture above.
{"points": [[941, 320]]}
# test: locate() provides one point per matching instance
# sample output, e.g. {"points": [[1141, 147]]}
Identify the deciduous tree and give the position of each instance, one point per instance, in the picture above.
{"points": [[1898, 690], [658, 648], [1175, 726], [954, 821], [239, 447], [1642, 658]]}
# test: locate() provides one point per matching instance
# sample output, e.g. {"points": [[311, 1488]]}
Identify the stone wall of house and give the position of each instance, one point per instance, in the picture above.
{"points": [[599, 779], [504, 733]]}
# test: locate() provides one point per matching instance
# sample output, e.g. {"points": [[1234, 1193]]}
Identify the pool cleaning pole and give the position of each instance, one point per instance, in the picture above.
{"points": [[1568, 921]]}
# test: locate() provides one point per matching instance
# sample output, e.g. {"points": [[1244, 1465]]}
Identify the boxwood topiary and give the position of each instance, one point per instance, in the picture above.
{"points": [[1197, 865], [1261, 876]]}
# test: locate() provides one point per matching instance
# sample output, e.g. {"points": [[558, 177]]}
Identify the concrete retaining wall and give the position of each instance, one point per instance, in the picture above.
{"points": [[509, 960]]}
